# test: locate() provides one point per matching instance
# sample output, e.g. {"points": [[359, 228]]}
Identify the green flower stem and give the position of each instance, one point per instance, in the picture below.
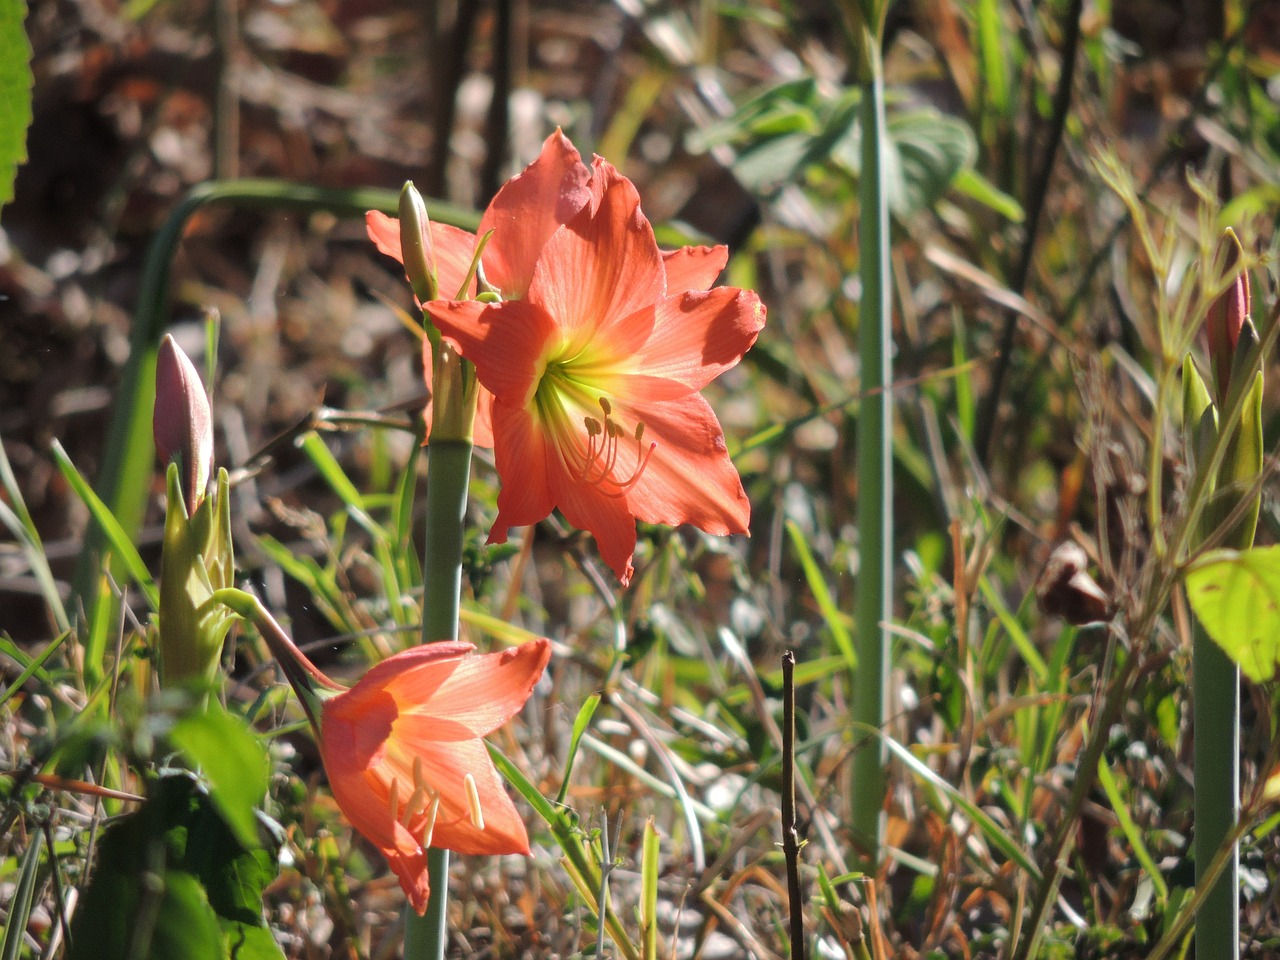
{"points": [[448, 477], [874, 597], [127, 466], [1216, 723]]}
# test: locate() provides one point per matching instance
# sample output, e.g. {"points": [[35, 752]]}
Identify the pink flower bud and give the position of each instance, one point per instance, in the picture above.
{"points": [[182, 423], [1226, 317]]}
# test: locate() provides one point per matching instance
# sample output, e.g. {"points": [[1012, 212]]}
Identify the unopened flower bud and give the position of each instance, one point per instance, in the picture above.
{"points": [[415, 245], [1226, 316], [182, 422]]}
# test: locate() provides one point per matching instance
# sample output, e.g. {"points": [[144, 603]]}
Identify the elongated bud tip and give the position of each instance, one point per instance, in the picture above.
{"points": [[1226, 317], [415, 245], [182, 422]]}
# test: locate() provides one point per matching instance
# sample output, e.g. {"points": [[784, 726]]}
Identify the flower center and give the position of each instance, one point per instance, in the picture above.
{"points": [[567, 395], [425, 799]]}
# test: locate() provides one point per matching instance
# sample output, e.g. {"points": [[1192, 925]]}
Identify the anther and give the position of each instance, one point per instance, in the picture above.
{"points": [[473, 802], [606, 406], [393, 796]]}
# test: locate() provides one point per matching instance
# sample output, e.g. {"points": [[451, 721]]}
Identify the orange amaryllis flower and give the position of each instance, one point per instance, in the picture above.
{"points": [[596, 372], [403, 748], [405, 760]]}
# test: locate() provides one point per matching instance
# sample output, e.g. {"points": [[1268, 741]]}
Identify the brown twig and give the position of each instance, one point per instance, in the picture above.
{"points": [[790, 837]]}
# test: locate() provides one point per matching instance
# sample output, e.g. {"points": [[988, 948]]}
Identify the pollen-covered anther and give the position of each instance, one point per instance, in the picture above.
{"points": [[473, 802]]}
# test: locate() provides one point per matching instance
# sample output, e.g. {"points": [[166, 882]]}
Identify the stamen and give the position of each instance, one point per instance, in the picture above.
{"points": [[430, 828], [473, 802], [415, 805], [597, 464], [393, 796]]}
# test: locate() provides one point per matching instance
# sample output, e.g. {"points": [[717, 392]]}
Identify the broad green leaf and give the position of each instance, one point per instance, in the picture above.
{"points": [[15, 93], [231, 757], [172, 883], [1236, 595], [933, 149]]}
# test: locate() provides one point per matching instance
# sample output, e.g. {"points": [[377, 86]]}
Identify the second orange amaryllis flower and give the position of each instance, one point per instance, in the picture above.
{"points": [[403, 747], [596, 372], [405, 760]]}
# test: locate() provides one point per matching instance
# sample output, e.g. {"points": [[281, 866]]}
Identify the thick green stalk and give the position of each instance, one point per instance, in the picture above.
{"points": [[448, 477], [875, 463], [1216, 722]]}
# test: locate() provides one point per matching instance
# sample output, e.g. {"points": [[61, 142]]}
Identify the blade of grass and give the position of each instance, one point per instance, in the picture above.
{"points": [[118, 539], [34, 666], [18, 519], [1130, 829], [874, 596], [569, 838], [835, 618], [331, 471], [649, 892], [982, 820], [23, 899], [580, 724]]}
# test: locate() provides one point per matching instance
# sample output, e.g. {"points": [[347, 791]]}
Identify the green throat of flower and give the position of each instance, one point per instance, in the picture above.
{"points": [[564, 398]]}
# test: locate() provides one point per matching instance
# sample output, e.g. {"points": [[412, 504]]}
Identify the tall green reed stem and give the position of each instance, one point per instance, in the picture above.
{"points": [[1216, 757], [874, 596], [127, 465]]}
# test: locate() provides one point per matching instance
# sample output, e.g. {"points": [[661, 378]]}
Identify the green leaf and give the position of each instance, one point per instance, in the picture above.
{"points": [[933, 149], [1236, 595], [15, 93], [232, 759], [173, 883], [977, 187]]}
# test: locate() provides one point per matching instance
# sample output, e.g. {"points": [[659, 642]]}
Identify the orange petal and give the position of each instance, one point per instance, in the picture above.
{"points": [[505, 341], [528, 209], [473, 698], [453, 249], [694, 268], [445, 766], [608, 518], [522, 453], [690, 478], [698, 336], [601, 269]]}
